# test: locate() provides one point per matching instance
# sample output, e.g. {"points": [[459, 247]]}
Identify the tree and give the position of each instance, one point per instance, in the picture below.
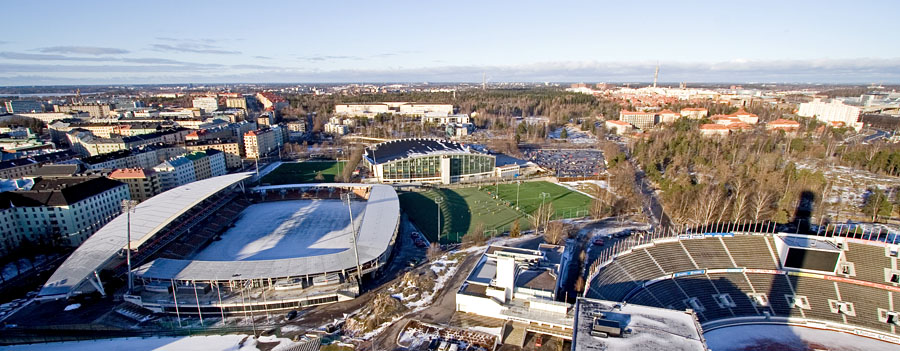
{"points": [[557, 232], [514, 230], [474, 237], [319, 177], [579, 284], [352, 163], [564, 133], [876, 204], [434, 252]]}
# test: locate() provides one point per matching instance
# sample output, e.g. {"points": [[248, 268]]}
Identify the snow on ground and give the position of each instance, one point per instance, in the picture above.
{"points": [[445, 268], [487, 330], [286, 229], [783, 337], [574, 135], [187, 343]]}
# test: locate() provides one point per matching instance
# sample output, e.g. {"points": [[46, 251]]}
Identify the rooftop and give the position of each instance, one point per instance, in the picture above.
{"points": [[402, 148], [148, 218], [61, 191], [646, 328]]}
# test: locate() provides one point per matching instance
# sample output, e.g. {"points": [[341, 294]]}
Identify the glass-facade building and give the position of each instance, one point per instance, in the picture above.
{"points": [[429, 167], [425, 160]]}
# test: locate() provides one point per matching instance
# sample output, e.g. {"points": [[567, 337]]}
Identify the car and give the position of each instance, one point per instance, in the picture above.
{"points": [[444, 346], [599, 241], [291, 315]]}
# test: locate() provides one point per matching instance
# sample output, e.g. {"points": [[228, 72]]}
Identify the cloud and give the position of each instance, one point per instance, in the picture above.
{"points": [[48, 57], [196, 48], [82, 50], [262, 57], [322, 58], [861, 70]]}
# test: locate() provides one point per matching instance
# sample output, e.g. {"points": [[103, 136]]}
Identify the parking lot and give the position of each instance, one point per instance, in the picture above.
{"points": [[569, 162]]}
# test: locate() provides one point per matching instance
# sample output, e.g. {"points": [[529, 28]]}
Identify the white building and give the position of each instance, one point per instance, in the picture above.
{"points": [[65, 210], [206, 103], [618, 127], [519, 285], [416, 109], [367, 110], [175, 172], [441, 119], [835, 113]]}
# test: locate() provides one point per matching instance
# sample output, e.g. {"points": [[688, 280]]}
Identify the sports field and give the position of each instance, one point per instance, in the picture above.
{"points": [[566, 203], [303, 172], [464, 208], [461, 211]]}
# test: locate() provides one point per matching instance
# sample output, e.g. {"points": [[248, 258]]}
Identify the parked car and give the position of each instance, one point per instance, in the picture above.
{"points": [[291, 315]]}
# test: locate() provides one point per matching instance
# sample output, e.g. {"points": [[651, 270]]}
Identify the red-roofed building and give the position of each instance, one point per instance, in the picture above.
{"points": [[786, 125], [619, 127], [142, 183], [271, 100], [694, 112], [717, 130], [668, 116], [745, 116]]}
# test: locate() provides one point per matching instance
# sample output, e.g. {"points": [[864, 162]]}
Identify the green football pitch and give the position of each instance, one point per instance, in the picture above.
{"points": [[303, 172], [566, 203], [462, 209]]}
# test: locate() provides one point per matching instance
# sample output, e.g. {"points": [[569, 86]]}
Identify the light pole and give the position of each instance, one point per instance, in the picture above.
{"points": [[438, 201], [128, 207], [347, 197], [518, 183], [543, 196]]}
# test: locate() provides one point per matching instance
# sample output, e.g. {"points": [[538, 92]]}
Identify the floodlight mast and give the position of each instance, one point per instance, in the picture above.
{"points": [[128, 207], [347, 197]]}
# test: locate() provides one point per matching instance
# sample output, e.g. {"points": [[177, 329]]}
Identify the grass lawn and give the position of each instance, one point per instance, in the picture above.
{"points": [[303, 172], [461, 211], [566, 203]]}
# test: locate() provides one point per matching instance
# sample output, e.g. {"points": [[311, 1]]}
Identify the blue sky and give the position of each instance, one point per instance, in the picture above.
{"points": [[103, 42]]}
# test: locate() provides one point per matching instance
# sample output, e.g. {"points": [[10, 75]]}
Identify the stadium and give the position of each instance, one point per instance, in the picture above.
{"points": [[840, 284], [215, 247]]}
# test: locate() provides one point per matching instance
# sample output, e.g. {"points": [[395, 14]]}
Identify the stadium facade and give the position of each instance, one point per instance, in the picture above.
{"points": [[172, 234], [423, 160]]}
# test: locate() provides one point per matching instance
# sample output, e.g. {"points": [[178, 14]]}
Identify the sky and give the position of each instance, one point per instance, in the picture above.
{"points": [[161, 41]]}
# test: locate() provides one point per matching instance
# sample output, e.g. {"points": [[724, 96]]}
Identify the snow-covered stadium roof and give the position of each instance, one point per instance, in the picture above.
{"points": [[147, 219], [375, 236]]}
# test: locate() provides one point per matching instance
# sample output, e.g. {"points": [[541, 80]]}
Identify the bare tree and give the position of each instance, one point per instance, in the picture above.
{"points": [[434, 252], [557, 232], [475, 237], [761, 204]]}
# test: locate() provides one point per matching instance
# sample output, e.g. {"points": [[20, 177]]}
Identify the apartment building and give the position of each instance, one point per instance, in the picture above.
{"points": [[261, 142], [61, 210], [206, 103], [230, 149], [94, 110], [834, 112], [639, 119], [694, 112], [142, 183], [175, 172], [146, 156]]}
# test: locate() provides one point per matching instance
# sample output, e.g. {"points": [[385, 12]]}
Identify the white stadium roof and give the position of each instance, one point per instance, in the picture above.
{"points": [[374, 238], [147, 219]]}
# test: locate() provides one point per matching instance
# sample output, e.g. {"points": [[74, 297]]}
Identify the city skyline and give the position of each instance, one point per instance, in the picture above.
{"points": [[275, 42]]}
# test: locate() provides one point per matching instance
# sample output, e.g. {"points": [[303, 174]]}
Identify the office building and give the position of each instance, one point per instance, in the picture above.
{"points": [[835, 113], [638, 119]]}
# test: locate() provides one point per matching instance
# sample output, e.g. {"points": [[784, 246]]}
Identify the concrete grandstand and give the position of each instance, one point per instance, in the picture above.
{"points": [[217, 247], [738, 278]]}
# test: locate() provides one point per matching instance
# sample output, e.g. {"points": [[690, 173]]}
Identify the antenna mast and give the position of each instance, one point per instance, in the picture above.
{"points": [[656, 74]]}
